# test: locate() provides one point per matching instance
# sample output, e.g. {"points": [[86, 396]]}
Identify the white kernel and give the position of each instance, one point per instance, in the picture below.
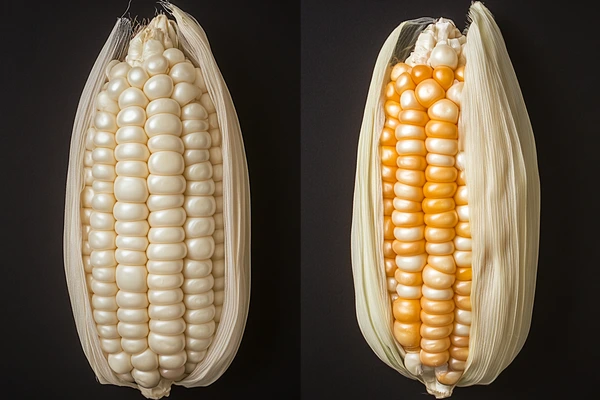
{"points": [[174, 55], [411, 263], [104, 274], [156, 64], [442, 146], [408, 292], [195, 125], [131, 134], [173, 361], [166, 235], [165, 267], [119, 70], [195, 156], [198, 285], [105, 121], [201, 248], [132, 152], [183, 72], [158, 86], [161, 184], [115, 87], [166, 163], [146, 379], [120, 362], [103, 156], [132, 115], [134, 316], [194, 111], [166, 251], [201, 331], [170, 217], [102, 221], [137, 76], [196, 268], [145, 361], [172, 327], [103, 259], [133, 331], [132, 97], [163, 282], [163, 106], [110, 345], [130, 257], [157, 202], [165, 297], [103, 187], [197, 344], [102, 240], [437, 294], [200, 316], [184, 93], [105, 139], [105, 103], [163, 124], [199, 206], [137, 169], [127, 299], [198, 227], [166, 312], [197, 141], [131, 278], [131, 189], [165, 143], [200, 300], [198, 172], [103, 172]]}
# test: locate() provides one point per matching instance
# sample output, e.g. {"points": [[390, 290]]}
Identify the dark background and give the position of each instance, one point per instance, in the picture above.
{"points": [[48, 49], [549, 44]]}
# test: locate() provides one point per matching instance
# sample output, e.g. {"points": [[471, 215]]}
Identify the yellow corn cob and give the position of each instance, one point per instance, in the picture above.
{"points": [[154, 241], [427, 216], [445, 157]]}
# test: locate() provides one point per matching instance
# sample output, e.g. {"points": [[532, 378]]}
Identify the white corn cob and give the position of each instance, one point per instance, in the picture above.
{"points": [[161, 226], [446, 206]]}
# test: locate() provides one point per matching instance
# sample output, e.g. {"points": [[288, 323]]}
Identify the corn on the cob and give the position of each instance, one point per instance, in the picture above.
{"points": [[157, 212], [446, 213]]}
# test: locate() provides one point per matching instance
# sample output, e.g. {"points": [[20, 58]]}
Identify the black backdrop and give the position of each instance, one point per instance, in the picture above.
{"points": [[549, 44], [51, 49], [48, 50]]}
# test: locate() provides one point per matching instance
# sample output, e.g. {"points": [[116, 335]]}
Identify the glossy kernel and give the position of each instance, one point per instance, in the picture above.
{"points": [[441, 129], [408, 248], [436, 190], [412, 162], [432, 206], [388, 156], [414, 117], [388, 137], [444, 76], [441, 174], [404, 82], [398, 70], [390, 92], [406, 311], [421, 72]]}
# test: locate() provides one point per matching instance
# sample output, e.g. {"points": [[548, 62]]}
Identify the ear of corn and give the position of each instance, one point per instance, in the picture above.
{"points": [[157, 223], [446, 205]]}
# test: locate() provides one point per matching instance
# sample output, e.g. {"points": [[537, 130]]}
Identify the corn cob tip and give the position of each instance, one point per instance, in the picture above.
{"points": [[157, 36]]}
